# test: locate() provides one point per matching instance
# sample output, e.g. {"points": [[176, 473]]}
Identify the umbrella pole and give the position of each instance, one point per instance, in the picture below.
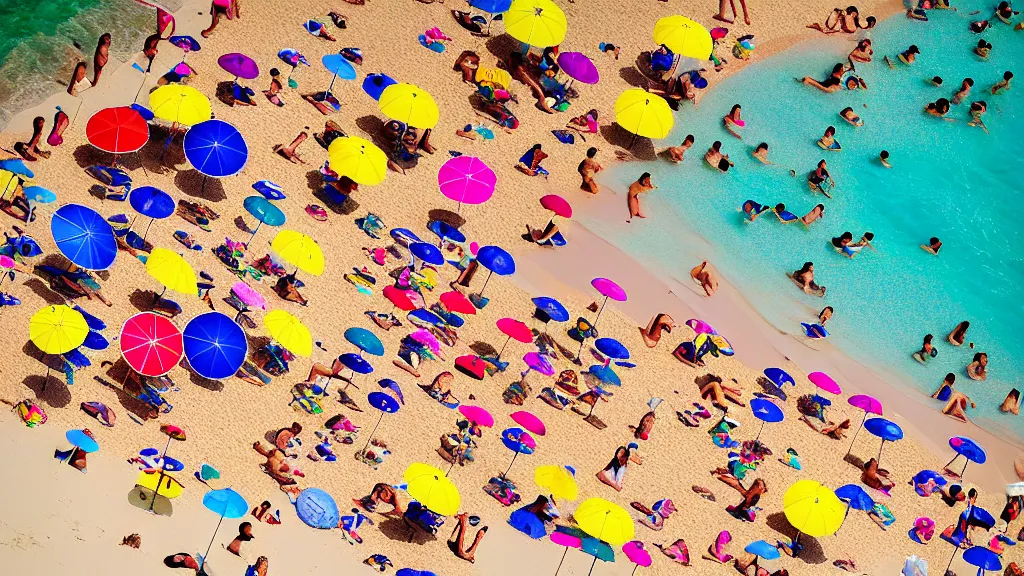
{"points": [[141, 163], [562, 560], [374, 431], [450, 468], [859, 428], [212, 538], [964, 470], [203, 187], [880, 453], [633, 573], [500, 352], [600, 534], [488, 279], [144, 235], [600, 310], [47, 377], [159, 296], [631, 142], [951, 461], [514, 456], [335, 77], [592, 564], [156, 492], [955, 549], [759, 430], [260, 223]]}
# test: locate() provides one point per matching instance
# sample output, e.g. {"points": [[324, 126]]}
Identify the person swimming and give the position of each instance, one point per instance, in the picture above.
{"points": [[1012, 402], [883, 158], [825, 315], [978, 368], [976, 111], [983, 49], [831, 84], [714, 156], [761, 153], [927, 350], [850, 116], [817, 212], [828, 140], [964, 91], [675, 153], [936, 81], [733, 120], [753, 210], [939, 108], [908, 56], [844, 245], [934, 245], [863, 52], [819, 180], [865, 240], [1003, 85], [804, 277], [959, 334], [979, 26], [946, 388], [1005, 12], [784, 216]]}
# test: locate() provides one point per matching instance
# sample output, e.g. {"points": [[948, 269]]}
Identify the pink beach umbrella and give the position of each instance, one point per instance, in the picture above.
{"points": [[700, 326], [467, 180], [869, 405], [555, 203], [637, 554], [608, 289], [529, 422], [8, 264], [151, 344], [248, 296], [477, 415], [536, 361], [824, 382], [568, 541], [514, 329], [401, 299], [457, 302]]}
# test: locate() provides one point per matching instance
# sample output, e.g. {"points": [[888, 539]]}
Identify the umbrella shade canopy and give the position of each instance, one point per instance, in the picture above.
{"points": [[180, 104], [84, 237], [884, 429], [683, 36], [413, 572], [80, 439], [409, 104], [383, 402], [300, 251], [644, 114], [239, 65], [292, 57], [477, 415], [400, 298], [173, 432], [358, 159], [605, 521], [186, 43], [263, 210], [518, 440], [216, 148], [608, 288], [39, 194], [317, 509], [558, 481], [983, 558], [457, 302], [270, 190], [538, 23], [555, 203], [779, 377], [248, 296], [117, 130], [16, 166], [824, 382], [857, 497], [446, 231], [57, 329], [337, 64], [516, 330], [813, 508], [171, 271], [151, 344], [427, 252], [866, 403], [429, 486], [365, 340], [467, 180], [766, 410], [497, 260], [355, 363], [538, 362], [611, 348], [214, 345], [968, 449], [491, 6], [289, 332], [605, 375], [552, 308], [375, 84], [578, 67], [529, 422], [152, 202], [762, 549], [225, 502], [636, 553]]}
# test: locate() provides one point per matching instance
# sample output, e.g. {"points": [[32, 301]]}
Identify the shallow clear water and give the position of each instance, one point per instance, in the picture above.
{"points": [[948, 180]]}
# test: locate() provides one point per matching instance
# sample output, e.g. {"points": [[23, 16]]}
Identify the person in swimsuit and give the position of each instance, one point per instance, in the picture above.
{"points": [[883, 158], [863, 52], [100, 58], [675, 153], [1012, 402], [927, 350], [732, 3], [78, 80], [820, 178], [805, 277], [815, 213], [946, 388], [908, 56], [761, 153], [587, 169], [705, 275], [964, 91], [934, 245], [30, 150], [1003, 85], [714, 155], [957, 406], [978, 110], [850, 116], [875, 477], [828, 140], [844, 244], [983, 49], [220, 8], [978, 368], [652, 334], [831, 84], [840, 20], [643, 184], [825, 315], [753, 209], [939, 108], [274, 93], [959, 334], [615, 472], [733, 121]]}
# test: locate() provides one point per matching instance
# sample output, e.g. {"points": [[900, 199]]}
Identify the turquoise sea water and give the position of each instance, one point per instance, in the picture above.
{"points": [[948, 180], [38, 43]]}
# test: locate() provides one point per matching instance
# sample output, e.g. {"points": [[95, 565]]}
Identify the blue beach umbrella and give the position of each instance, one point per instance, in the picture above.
{"points": [[969, 449], [39, 194], [317, 509], [389, 384], [386, 404], [884, 429], [186, 43], [341, 68], [605, 375], [519, 441], [762, 549], [216, 148], [365, 340], [765, 411], [411, 572], [146, 113], [497, 261], [152, 202], [779, 377], [16, 166], [855, 497], [422, 316], [269, 190], [611, 348], [549, 309], [84, 237], [214, 345], [226, 503], [79, 439], [355, 363], [404, 236], [923, 477], [374, 84], [491, 6], [446, 231], [983, 558], [93, 322], [428, 253], [264, 212]]}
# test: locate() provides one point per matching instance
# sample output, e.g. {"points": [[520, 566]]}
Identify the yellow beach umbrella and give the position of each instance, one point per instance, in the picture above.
{"points": [[430, 488], [180, 104], [57, 329], [539, 23], [684, 37], [359, 159], [410, 104], [605, 521], [643, 114], [289, 332], [171, 271], [813, 508], [300, 251], [558, 481]]}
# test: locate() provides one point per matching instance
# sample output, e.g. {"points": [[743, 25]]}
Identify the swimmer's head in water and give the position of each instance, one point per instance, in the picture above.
{"points": [[821, 164], [950, 378], [913, 49], [846, 236], [761, 146], [838, 69], [869, 236], [969, 81], [937, 80], [723, 165], [689, 139], [830, 131], [884, 155], [1007, 75], [645, 179], [780, 207], [716, 145]]}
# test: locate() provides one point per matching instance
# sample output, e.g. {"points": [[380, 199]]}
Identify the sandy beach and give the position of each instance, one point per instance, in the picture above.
{"points": [[57, 520]]}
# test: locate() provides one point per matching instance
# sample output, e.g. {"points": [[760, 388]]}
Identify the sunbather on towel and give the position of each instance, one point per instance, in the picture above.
{"points": [[385, 494], [832, 430], [440, 388], [287, 287], [718, 392], [875, 477], [276, 465], [529, 163], [751, 496]]}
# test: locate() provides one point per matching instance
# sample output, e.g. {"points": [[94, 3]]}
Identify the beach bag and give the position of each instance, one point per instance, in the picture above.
{"points": [[744, 47], [30, 413]]}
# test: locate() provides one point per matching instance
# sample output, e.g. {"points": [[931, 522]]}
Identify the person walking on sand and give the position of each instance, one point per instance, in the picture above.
{"points": [[705, 275], [643, 184], [100, 58], [732, 4], [587, 169], [78, 80], [220, 8]]}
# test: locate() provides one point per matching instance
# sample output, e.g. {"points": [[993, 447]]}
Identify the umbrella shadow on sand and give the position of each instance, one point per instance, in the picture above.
{"points": [[447, 216], [643, 148], [483, 349], [241, 225], [501, 46], [191, 183], [195, 378], [118, 372], [40, 289], [370, 125], [633, 77], [812, 552], [53, 391], [397, 530], [88, 155], [142, 300]]}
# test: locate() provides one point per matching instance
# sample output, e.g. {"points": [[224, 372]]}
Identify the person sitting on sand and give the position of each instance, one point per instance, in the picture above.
{"points": [[956, 407], [675, 153], [863, 51], [816, 213], [746, 509], [847, 21], [959, 334], [875, 477], [734, 121], [276, 465], [1003, 85], [828, 140], [830, 429], [529, 163], [946, 388], [934, 244], [274, 92], [1012, 402], [804, 277], [287, 288], [831, 84], [761, 153], [978, 110], [440, 389], [850, 116], [964, 91], [927, 350], [30, 150], [753, 209], [542, 237], [883, 159], [717, 392], [652, 334], [615, 472], [586, 124], [385, 494], [218, 8], [705, 275], [714, 155], [587, 169], [457, 542], [643, 184], [784, 215], [978, 368], [290, 152]]}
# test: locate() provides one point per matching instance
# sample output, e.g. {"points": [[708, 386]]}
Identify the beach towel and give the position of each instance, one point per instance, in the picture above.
{"points": [[30, 413], [100, 412]]}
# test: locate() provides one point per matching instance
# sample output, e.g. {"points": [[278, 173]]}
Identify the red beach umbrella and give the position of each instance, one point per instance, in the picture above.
{"points": [[117, 130], [560, 206], [529, 422], [515, 329], [400, 298], [457, 302], [151, 344]]}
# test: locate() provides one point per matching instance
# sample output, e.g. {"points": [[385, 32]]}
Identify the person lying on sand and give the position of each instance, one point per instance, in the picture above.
{"points": [[957, 406], [875, 477], [705, 275], [457, 542], [290, 152], [717, 392], [847, 21], [746, 509], [614, 474], [832, 430], [276, 465], [831, 84], [30, 150], [384, 494], [440, 389], [659, 323], [676, 153]]}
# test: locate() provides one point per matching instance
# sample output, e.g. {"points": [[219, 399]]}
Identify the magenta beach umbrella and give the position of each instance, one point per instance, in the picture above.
{"points": [[869, 405], [637, 554], [530, 422], [466, 180], [239, 65], [608, 289], [824, 382], [578, 67]]}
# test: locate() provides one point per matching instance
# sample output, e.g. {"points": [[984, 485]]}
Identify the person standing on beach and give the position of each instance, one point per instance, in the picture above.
{"points": [[587, 169], [220, 8], [732, 3], [643, 184], [100, 58], [78, 80]]}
